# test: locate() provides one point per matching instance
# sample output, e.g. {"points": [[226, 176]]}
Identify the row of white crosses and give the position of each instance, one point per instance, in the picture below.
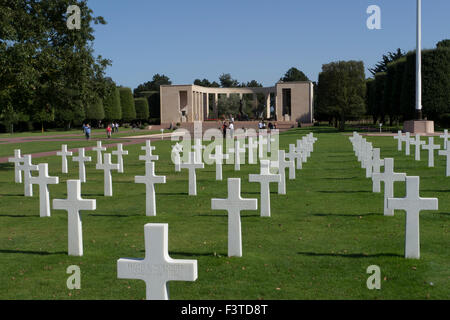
{"points": [[430, 147], [412, 204], [157, 268], [73, 204]]}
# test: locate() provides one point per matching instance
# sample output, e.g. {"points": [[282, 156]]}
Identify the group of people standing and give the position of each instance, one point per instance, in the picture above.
{"points": [[112, 127], [226, 126]]}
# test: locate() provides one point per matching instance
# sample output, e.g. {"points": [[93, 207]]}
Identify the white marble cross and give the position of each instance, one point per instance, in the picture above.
{"points": [[264, 179], [412, 204], [302, 150], [27, 167], [262, 141], [234, 204], [157, 268], [307, 146], [446, 153], [192, 166], [120, 153], [218, 158], [368, 162], [17, 159], [150, 179], [366, 157], [64, 153], [238, 150], [408, 141], [198, 147], [296, 156], [282, 165], [431, 147], [148, 152], [360, 148], [388, 177], [175, 156], [417, 142], [43, 180], [107, 166], [99, 150], [400, 138], [81, 159], [445, 136], [377, 162], [252, 147], [73, 204]]}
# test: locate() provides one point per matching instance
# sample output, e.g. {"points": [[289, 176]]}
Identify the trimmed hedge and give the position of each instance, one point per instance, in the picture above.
{"points": [[142, 111], [112, 107], [95, 111], [127, 104], [398, 97]]}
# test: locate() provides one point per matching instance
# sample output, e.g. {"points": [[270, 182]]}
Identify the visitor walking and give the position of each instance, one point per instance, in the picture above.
{"points": [[224, 129], [108, 131], [87, 131], [232, 130]]}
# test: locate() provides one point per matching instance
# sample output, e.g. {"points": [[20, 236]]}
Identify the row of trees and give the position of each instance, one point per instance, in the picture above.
{"points": [[119, 105], [343, 93], [391, 93]]}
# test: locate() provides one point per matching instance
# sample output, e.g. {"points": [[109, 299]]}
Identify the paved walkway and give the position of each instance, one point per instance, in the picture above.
{"points": [[126, 141]]}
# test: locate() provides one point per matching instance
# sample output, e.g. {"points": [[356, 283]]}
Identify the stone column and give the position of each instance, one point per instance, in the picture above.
{"points": [[207, 106], [202, 106], [216, 103], [268, 105], [255, 101]]}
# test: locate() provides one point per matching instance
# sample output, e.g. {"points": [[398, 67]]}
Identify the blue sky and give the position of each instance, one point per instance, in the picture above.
{"points": [[254, 39]]}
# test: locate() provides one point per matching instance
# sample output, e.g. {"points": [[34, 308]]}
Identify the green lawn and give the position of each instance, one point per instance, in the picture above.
{"points": [[318, 243]]}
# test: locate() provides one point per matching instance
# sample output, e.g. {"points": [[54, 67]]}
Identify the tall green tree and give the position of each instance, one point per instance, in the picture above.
{"points": [[153, 85], [228, 105], [382, 65], [293, 74], [342, 91], [127, 103], [43, 64], [251, 84], [95, 111], [443, 44], [226, 81]]}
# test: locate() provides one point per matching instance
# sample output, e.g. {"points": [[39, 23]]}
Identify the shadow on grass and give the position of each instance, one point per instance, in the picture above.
{"points": [[190, 254], [113, 215], [341, 178], [226, 215], [347, 215], [15, 215], [348, 191], [259, 193], [6, 166], [41, 253], [173, 193], [350, 255], [12, 195]]}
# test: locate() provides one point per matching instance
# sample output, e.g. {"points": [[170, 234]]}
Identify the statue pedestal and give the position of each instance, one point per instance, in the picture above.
{"points": [[419, 126]]}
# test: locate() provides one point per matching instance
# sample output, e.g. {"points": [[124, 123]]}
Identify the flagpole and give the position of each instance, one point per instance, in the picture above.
{"points": [[419, 62]]}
